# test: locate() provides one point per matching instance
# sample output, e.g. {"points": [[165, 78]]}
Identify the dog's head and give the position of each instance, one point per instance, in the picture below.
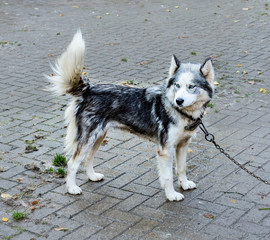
{"points": [[189, 84]]}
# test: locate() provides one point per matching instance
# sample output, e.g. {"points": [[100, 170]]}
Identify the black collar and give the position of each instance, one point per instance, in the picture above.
{"points": [[196, 121]]}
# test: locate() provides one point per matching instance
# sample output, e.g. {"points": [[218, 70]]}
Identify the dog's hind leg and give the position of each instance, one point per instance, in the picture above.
{"points": [[73, 165], [181, 167], [91, 174], [165, 165]]}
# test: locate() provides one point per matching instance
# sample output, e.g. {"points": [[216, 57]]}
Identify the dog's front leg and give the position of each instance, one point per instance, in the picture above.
{"points": [[165, 164], [181, 167]]}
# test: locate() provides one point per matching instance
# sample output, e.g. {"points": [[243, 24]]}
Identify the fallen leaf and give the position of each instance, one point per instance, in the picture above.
{"points": [[246, 9], [239, 65], [84, 73], [4, 219], [60, 14], [245, 72], [176, 7], [50, 55], [61, 229], [168, 10], [251, 82], [259, 73], [216, 83], [107, 13], [190, 150], [245, 52], [232, 201], [19, 179], [105, 141], [143, 63], [35, 202], [238, 71], [208, 216], [263, 90], [5, 195], [76, 6], [99, 17]]}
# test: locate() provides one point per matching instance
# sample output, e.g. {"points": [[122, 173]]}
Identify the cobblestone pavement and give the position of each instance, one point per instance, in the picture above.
{"points": [[132, 41]]}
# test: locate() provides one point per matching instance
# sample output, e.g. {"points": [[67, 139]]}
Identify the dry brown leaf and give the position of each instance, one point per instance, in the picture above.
{"points": [[35, 202], [143, 63], [19, 179]]}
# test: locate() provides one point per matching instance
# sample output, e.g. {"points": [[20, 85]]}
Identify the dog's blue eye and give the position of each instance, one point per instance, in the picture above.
{"points": [[177, 85], [191, 86]]}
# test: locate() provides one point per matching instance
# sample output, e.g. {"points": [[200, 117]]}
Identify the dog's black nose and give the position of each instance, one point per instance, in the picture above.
{"points": [[179, 101]]}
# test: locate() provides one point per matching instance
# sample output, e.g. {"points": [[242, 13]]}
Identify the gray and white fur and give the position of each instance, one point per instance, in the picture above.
{"points": [[154, 112]]}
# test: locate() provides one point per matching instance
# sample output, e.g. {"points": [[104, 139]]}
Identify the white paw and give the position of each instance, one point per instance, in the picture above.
{"points": [[96, 177], [174, 196], [74, 190], [187, 184]]}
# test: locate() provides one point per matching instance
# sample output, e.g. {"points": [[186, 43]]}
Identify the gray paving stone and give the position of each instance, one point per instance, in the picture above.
{"points": [[236, 32]]}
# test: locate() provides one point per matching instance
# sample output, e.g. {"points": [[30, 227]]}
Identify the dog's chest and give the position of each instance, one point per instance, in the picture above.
{"points": [[178, 135]]}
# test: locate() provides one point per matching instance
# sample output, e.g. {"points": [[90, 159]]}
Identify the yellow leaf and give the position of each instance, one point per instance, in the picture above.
{"points": [[107, 13], [176, 7], [245, 72], [208, 216], [259, 73], [233, 201], [216, 83], [4, 219], [76, 6], [238, 71], [190, 150], [263, 90], [239, 65], [245, 52], [60, 15], [5, 195], [84, 73]]}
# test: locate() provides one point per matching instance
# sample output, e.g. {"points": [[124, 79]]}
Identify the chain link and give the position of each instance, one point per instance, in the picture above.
{"points": [[211, 138]]}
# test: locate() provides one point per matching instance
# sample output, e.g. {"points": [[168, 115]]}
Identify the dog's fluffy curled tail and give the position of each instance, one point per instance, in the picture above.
{"points": [[68, 67]]}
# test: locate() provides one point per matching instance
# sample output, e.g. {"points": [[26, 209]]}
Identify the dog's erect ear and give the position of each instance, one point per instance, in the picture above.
{"points": [[175, 64], [207, 70]]}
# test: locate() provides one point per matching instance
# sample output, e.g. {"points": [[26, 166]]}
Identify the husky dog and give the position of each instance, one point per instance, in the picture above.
{"points": [[166, 114]]}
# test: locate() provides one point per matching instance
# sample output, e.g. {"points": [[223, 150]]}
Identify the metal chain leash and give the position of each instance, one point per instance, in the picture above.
{"points": [[211, 138]]}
